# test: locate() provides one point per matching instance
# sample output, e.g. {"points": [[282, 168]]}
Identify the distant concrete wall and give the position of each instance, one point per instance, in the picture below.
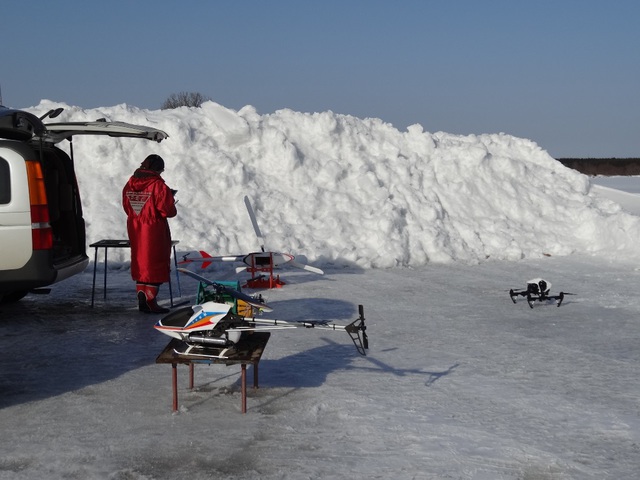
{"points": [[604, 166]]}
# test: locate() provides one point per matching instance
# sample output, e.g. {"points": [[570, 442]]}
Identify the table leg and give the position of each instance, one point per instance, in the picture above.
{"points": [[170, 292], [244, 388], [95, 264], [175, 385], [175, 263], [106, 249]]}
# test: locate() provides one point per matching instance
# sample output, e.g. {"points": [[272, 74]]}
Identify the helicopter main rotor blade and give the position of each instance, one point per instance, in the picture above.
{"points": [[254, 222], [229, 291], [308, 268], [227, 258]]}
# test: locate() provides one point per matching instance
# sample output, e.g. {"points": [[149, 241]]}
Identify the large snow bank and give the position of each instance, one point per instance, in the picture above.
{"points": [[344, 190]]}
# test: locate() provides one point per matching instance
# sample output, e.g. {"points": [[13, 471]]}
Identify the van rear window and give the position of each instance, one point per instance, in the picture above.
{"points": [[5, 182]]}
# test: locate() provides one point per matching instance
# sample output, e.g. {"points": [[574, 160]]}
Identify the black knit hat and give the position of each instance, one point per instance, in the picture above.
{"points": [[153, 162]]}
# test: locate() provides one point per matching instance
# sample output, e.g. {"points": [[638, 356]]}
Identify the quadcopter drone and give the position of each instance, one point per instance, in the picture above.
{"points": [[213, 330], [537, 290]]}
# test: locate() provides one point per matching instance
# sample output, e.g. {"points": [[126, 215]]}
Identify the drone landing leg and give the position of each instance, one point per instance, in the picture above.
{"points": [[530, 301], [512, 295]]}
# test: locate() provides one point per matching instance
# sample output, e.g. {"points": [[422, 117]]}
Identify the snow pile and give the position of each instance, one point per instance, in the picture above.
{"points": [[344, 190]]}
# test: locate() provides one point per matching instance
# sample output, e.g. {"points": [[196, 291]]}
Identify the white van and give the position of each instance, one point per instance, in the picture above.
{"points": [[42, 230]]}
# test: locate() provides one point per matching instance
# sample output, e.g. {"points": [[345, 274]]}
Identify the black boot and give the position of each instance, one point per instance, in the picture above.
{"points": [[147, 299], [142, 298]]}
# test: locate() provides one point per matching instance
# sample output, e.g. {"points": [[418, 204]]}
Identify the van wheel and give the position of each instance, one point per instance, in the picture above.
{"points": [[13, 296]]}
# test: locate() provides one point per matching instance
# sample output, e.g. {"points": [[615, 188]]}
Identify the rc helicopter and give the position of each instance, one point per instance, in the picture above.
{"points": [[256, 262], [537, 290], [213, 330]]}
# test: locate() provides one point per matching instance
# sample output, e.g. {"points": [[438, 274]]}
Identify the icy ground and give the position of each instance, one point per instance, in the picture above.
{"points": [[459, 382]]}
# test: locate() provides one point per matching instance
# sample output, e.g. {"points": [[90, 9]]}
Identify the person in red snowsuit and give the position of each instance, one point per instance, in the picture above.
{"points": [[148, 202]]}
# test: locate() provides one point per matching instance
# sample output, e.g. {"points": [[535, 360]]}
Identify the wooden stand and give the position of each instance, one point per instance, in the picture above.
{"points": [[262, 263], [248, 351]]}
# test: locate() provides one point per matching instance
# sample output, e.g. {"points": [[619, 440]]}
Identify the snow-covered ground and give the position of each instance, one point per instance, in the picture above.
{"points": [[428, 232]]}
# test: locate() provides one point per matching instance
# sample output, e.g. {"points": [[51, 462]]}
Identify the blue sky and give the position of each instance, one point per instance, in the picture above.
{"points": [[564, 73]]}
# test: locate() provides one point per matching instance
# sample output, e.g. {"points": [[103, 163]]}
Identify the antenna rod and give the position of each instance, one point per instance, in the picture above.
{"points": [[1, 95]]}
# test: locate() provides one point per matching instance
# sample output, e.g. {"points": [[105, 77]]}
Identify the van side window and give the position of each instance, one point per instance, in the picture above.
{"points": [[5, 182]]}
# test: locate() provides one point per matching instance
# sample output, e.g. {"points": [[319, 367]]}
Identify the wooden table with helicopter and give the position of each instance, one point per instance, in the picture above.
{"points": [[247, 351], [222, 328]]}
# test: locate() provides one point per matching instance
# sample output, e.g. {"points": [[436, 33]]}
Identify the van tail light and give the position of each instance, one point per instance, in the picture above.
{"points": [[41, 232]]}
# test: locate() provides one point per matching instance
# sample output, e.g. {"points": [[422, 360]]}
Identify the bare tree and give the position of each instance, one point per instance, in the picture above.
{"points": [[184, 99]]}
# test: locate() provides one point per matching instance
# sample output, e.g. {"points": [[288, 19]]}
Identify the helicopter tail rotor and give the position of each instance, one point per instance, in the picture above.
{"points": [[357, 330]]}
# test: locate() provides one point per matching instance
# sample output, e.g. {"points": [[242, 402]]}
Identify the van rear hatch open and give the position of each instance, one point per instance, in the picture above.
{"points": [[56, 132], [29, 140]]}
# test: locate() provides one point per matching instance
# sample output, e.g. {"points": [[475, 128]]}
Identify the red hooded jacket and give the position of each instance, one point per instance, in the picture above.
{"points": [[148, 202]]}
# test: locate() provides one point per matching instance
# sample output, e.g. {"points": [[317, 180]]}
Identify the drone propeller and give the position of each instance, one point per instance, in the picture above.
{"points": [[229, 291]]}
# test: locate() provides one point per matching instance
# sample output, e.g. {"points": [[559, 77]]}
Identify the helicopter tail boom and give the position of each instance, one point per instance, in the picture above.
{"points": [[356, 329]]}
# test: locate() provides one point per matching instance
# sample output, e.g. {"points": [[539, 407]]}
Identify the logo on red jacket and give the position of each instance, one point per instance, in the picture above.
{"points": [[138, 200]]}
